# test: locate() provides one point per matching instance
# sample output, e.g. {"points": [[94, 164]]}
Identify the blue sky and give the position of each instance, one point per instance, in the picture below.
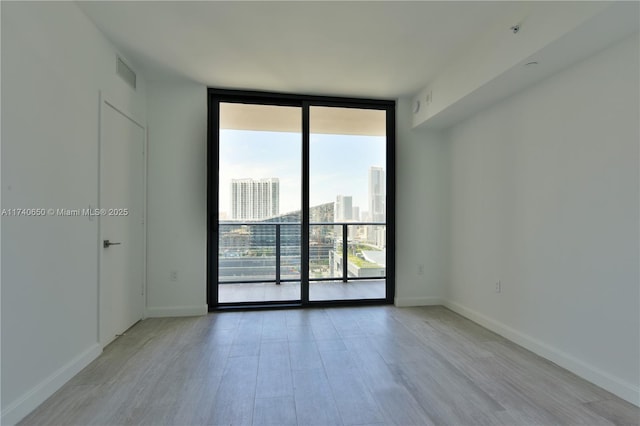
{"points": [[339, 165]]}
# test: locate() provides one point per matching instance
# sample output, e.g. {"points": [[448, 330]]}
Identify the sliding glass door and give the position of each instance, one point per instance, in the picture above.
{"points": [[347, 213], [300, 200], [259, 203]]}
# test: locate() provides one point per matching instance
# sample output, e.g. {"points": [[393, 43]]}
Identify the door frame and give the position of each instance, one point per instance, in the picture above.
{"points": [[105, 102], [305, 102]]}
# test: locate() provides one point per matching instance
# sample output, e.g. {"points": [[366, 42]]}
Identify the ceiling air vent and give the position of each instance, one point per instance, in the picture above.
{"points": [[125, 72]]}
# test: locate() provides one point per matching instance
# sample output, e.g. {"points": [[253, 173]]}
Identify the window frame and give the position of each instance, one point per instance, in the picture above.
{"points": [[305, 102]]}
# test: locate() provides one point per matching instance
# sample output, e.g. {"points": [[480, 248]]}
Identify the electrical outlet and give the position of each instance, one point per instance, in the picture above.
{"points": [[173, 275], [498, 287], [420, 269]]}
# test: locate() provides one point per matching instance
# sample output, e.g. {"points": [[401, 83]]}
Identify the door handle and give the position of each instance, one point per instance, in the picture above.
{"points": [[107, 243]]}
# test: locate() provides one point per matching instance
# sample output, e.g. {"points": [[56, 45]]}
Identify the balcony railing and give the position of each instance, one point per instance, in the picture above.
{"points": [[265, 251]]}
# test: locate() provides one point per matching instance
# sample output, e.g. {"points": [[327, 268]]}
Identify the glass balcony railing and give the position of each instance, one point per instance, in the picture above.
{"points": [[251, 252]]}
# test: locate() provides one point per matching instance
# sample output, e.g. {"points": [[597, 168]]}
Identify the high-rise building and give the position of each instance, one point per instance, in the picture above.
{"points": [[344, 208], [377, 194], [255, 199], [356, 214]]}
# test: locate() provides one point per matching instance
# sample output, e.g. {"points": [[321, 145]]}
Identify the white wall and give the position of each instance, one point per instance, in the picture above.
{"points": [[545, 198], [177, 199], [54, 63], [177, 204], [421, 212]]}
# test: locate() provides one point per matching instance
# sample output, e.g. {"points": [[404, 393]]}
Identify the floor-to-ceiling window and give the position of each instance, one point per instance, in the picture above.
{"points": [[300, 199]]}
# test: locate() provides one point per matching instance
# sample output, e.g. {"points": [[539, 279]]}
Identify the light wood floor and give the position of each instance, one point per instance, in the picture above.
{"points": [[341, 366]]}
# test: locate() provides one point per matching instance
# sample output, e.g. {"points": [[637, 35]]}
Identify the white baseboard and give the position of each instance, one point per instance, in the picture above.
{"points": [[615, 385], [177, 311], [403, 302], [35, 396]]}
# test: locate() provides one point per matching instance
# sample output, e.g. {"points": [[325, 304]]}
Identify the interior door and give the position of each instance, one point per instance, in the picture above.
{"points": [[121, 215]]}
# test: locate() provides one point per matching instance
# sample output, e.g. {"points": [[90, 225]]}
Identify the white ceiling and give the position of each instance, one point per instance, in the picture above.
{"points": [[367, 49]]}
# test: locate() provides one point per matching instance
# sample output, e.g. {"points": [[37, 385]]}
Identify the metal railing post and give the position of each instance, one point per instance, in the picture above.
{"points": [[278, 254], [345, 253]]}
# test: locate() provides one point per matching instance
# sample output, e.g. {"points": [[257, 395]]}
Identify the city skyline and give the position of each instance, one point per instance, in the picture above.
{"points": [[247, 208], [339, 165]]}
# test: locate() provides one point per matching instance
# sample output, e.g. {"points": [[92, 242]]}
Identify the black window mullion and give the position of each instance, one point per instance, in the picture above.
{"points": [[304, 252], [213, 167], [390, 221]]}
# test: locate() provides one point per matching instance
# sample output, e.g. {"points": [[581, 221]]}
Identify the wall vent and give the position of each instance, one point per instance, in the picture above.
{"points": [[126, 73]]}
